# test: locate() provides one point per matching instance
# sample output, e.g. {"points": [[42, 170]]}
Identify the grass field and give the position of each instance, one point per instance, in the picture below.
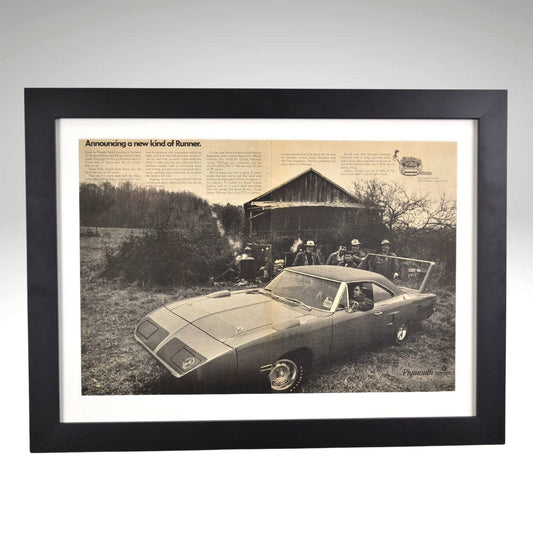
{"points": [[113, 362]]}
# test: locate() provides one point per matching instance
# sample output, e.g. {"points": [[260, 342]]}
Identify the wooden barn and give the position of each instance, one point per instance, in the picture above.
{"points": [[309, 206]]}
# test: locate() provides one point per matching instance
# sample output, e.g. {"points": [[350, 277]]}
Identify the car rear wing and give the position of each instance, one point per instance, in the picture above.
{"points": [[430, 265]]}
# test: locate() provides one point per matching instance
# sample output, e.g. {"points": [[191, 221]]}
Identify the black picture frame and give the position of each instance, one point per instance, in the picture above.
{"points": [[42, 108]]}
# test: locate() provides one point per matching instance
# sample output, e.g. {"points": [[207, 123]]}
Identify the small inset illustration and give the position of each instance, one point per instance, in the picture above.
{"points": [[409, 165]]}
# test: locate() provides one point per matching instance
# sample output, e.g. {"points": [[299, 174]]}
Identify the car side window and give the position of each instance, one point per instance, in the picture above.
{"points": [[360, 300], [380, 294], [366, 289]]}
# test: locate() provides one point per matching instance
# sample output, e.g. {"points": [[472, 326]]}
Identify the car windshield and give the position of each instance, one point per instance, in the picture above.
{"points": [[308, 290]]}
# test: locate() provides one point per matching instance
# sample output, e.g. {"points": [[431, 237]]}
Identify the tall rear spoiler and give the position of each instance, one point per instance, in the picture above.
{"points": [[426, 277]]}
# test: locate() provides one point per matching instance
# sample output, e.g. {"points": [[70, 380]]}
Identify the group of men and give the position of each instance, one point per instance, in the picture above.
{"points": [[384, 263], [347, 258]]}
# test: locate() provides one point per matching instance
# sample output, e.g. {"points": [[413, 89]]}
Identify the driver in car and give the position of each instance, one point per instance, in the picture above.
{"points": [[358, 300]]}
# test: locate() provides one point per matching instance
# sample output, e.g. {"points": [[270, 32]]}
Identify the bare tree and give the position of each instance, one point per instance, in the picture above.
{"points": [[420, 226], [404, 211]]}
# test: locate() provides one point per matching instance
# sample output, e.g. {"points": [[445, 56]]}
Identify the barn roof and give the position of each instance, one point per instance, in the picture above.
{"points": [[254, 201], [281, 205]]}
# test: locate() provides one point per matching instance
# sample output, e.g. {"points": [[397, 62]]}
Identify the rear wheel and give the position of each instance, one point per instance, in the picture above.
{"points": [[402, 332], [287, 374]]}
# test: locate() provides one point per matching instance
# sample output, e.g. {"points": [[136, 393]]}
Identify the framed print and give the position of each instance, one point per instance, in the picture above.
{"points": [[265, 268]]}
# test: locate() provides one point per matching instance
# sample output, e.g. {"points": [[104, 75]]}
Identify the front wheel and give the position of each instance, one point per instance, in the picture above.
{"points": [[286, 375], [402, 332]]}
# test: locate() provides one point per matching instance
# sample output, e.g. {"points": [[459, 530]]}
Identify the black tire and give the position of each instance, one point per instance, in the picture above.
{"points": [[402, 333], [287, 374]]}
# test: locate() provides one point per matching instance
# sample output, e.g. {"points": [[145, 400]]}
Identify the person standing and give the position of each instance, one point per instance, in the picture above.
{"points": [[348, 260], [337, 258], [357, 255], [247, 266], [267, 268], [307, 257], [384, 263]]}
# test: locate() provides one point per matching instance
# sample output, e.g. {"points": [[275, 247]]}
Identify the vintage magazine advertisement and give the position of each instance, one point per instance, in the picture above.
{"points": [[215, 266]]}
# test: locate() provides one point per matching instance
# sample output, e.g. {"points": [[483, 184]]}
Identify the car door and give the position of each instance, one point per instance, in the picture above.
{"points": [[389, 309], [352, 329]]}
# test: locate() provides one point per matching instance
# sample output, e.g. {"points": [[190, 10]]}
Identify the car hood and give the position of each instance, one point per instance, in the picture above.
{"points": [[237, 313]]}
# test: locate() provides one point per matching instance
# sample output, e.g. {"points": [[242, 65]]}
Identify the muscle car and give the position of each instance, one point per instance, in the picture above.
{"points": [[274, 334]]}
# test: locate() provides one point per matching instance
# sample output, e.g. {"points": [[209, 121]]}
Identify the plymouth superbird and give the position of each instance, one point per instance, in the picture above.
{"points": [[274, 334]]}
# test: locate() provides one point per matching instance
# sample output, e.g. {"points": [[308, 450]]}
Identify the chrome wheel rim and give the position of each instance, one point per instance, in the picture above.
{"points": [[401, 333], [283, 375]]}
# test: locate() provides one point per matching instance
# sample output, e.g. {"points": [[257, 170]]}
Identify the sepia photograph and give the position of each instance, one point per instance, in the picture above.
{"points": [[267, 266]]}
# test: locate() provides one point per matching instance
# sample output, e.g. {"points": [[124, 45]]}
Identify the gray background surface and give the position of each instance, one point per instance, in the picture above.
{"points": [[334, 44]]}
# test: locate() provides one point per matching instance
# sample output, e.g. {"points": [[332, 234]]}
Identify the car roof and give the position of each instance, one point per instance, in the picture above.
{"points": [[344, 274]]}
